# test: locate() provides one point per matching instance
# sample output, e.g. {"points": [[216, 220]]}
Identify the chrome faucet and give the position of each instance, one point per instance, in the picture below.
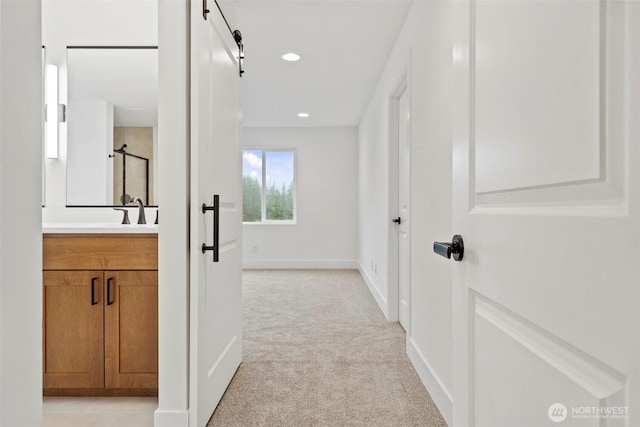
{"points": [[125, 218], [141, 217]]}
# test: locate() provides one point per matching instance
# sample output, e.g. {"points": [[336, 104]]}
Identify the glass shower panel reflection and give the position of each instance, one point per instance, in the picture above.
{"points": [[132, 163]]}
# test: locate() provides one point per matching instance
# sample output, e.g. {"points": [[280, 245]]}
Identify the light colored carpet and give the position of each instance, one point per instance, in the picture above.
{"points": [[318, 352]]}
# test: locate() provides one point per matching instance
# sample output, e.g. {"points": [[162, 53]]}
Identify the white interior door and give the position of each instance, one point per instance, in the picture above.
{"points": [[546, 198], [404, 192], [216, 287]]}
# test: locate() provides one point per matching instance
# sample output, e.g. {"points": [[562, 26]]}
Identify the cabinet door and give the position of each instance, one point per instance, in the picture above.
{"points": [[73, 347], [131, 329]]}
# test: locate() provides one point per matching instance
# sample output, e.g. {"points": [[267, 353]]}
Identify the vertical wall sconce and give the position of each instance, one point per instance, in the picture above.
{"points": [[52, 116]]}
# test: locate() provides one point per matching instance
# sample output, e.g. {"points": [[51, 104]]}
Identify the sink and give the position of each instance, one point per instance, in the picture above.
{"points": [[93, 227]]}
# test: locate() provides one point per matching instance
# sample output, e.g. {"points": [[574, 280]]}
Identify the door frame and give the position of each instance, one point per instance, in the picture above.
{"points": [[393, 297], [174, 33]]}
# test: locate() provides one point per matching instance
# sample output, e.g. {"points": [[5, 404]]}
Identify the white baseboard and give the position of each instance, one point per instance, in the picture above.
{"points": [[170, 418], [380, 299], [441, 397], [300, 264]]}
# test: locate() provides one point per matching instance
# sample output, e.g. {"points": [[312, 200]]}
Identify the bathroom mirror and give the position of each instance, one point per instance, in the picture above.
{"points": [[112, 121]]}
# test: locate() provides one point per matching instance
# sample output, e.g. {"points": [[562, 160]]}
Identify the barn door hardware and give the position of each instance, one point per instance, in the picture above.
{"points": [[205, 9], [237, 35], [216, 227]]}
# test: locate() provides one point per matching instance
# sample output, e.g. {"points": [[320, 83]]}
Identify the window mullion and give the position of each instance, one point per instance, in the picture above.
{"points": [[264, 187]]}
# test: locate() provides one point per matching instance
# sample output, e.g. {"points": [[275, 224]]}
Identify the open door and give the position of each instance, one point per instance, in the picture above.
{"points": [[547, 201], [404, 210], [216, 269]]}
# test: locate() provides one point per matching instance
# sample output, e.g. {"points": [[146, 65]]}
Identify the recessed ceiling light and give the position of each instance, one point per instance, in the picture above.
{"points": [[303, 115], [291, 57]]}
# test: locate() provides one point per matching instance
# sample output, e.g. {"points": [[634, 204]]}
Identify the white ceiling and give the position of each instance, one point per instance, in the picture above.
{"points": [[344, 46]]}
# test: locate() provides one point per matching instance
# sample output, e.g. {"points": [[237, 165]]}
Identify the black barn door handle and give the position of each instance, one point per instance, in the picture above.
{"points": [[216, 227]]}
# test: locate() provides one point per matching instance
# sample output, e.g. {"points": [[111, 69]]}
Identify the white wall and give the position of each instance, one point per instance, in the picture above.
{"points": [[21, 122], [325, 234], [88, 23], [375, 223], [425, 47], [430, 342], [88, 160]]}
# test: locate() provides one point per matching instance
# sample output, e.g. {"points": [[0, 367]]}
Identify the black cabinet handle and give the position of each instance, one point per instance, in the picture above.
{"points": [[93, 291], [455, 248], [216, 227], [109, 300], [397, 220]]}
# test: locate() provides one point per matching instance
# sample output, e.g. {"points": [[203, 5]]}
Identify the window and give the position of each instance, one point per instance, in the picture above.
{"points": [[268, 186]]}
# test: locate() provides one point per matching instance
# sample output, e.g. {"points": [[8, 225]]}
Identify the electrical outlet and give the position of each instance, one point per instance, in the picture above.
{"points": [[254, 249]]}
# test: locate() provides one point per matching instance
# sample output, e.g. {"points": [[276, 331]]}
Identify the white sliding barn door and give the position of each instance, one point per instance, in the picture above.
{"points": [[216, 287], [547, 198]]}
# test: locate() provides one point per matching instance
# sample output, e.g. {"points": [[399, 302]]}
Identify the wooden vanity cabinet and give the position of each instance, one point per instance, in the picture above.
{"points": [[73, 341], [131, 330], [100, 314]]}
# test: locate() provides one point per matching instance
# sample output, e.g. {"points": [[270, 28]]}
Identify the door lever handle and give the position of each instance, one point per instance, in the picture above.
{"points": [[455, 248], [397, 220]]}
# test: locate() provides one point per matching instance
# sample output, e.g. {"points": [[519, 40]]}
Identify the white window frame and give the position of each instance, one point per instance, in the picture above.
{"points": [[263, 200]]}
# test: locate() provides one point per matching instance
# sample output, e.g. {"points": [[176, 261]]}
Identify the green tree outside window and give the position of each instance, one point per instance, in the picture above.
{"points": [[268, 177]]}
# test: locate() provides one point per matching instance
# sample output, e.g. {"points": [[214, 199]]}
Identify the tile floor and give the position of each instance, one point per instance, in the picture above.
{"points": [[98, 411]]}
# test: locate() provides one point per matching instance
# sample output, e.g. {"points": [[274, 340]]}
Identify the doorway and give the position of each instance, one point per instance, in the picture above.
{"points": [[400, 203], [83, 57], [404, 195]]}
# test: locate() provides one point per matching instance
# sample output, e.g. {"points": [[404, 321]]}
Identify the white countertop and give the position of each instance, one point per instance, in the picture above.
{"points": [[97, 228]]}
